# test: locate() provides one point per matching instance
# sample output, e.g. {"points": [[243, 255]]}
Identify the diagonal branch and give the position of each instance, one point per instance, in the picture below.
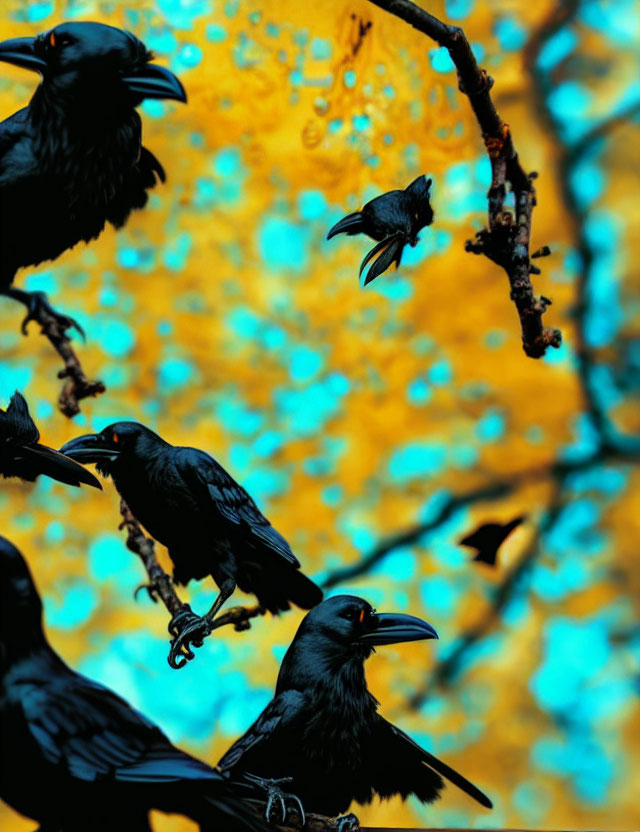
{"points": [[413, 534], [161, 586], [506, 240], [76, 386]]}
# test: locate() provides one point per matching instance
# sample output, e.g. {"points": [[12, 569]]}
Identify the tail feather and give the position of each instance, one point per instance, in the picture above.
{"points": [[351, 224], [277, 584]]}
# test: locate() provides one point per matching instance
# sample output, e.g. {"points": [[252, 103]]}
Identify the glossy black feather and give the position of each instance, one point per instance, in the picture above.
{"points": [[208, 522], [488, 539], [22, 456], [396, 215], [323, 729], [76, 756], [73, 160]]}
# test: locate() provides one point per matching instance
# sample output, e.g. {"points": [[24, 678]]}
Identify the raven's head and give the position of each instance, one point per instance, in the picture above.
{"points": [[85, 62], [419, 192], [119, 441], [20, 604], [22, 455], [349, 626]]}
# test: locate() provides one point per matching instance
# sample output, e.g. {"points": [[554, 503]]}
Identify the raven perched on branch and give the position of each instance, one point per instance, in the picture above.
{"points": [[321, 731], [75, 756], [207, 521], [22, 455], [73, 160]]}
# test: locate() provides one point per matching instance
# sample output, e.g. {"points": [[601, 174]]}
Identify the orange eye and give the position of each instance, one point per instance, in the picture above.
{"points": [[361, 616], [52, 39], [115, 437]]}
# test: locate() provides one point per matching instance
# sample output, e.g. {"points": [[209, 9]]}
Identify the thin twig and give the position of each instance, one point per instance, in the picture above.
{"points": [[161, 587], [506, 240], [76, 386]]}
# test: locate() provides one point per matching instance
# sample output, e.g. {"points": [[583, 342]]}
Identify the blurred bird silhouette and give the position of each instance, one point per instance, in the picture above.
{"points": [[75, 756], [321, 732], [210, 525], [22, 455], [488, 539], [73, 160], [394, 218]]}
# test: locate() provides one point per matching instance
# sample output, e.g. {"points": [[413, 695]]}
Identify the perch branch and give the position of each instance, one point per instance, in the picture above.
{"points": [[506, 240], [76, 386], [161, 587], [314, 823]]}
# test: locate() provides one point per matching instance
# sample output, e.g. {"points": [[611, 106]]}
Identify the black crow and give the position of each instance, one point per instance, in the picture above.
{"points": [[75, 756], [22, 455], [73, 160], [322, 730], [210, 525], [394, 218], [488, 538]]}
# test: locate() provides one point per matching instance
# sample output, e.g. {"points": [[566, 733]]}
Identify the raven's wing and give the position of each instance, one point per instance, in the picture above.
{"points": [[219, 490], [283, 710], [16, 159], [402, 767], [92, 733]]}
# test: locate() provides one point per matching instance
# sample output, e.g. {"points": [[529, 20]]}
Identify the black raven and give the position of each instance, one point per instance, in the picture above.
{"points": [[210, 525], [322, 732], [73, 160], [394, 218], [22, 455], [75, 756], [488, 538]]}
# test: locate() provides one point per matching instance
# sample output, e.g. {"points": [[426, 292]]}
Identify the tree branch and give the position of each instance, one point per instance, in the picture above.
{"points": [[506, 240], [161, 587], [76, 386]]}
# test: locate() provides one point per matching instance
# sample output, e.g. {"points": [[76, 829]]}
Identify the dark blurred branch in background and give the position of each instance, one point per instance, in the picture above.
{"points": [[611, 445], [76, 386], [161, 586], [506, 240]]}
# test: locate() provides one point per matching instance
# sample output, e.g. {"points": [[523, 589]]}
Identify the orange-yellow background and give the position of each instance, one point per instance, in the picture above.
{"points": [[221, 318]]}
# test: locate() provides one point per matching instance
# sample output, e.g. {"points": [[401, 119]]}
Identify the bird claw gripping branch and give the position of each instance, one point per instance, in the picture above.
{"points": [[187, 629], [276, 796], [348, 823]]}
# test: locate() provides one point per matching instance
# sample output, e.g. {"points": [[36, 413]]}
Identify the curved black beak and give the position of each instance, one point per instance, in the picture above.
{"points": [[21, 52], [153, 81], [394, 628], [59, 467], [92, 447]]}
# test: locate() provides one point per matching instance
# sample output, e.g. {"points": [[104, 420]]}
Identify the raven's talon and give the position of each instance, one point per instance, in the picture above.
{"points": [[187, 629], [348, 823], [151, 590], [39, 304], [275, 794]]}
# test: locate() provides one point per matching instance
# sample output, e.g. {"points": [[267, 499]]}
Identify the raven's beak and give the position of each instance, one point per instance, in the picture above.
{"points": [[92, 447], [58, 466], [153, 81], [21, 52], [394, 628]]}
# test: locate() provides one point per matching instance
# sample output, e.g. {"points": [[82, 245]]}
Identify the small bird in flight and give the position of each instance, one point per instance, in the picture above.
{"points": [[488, 538], [75, 756], [394, 219], [210, 525], [322, 733], [72, 159], [22, 455]]}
